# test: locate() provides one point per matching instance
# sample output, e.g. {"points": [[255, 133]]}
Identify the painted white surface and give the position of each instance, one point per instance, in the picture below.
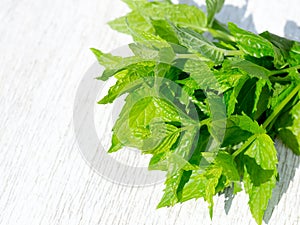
{"points": [[43, 177]]}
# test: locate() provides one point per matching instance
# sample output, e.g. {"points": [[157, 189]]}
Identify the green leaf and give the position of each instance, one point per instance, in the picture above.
{"points": [[135, 4], [262, 149], [288, 49], [259, 184], [148, 39], [129, 79], [229, 169], [180, 14], [133, 21], [170, 192], [140, 18], [217, 113], [163, 70], [282, 46], [203, 144], [165, 31], [170, 162], [174, 187], [288, 126], [239, 129], [161, 138], [253, 98], [228, 77], [250, 43], [281, 43], [232, 94], [185, 146], [153, 50], [175, 183], [294, 59], [196, 43], [109, 61], [252, 69], [143, 109], [202, 185], [114, 64], [280, 93], [201, 74], [115, 144], [143, 51], [213, 7], [262, 86]]}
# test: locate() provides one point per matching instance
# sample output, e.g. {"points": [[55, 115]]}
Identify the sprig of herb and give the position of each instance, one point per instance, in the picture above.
{"points": [[205, 99]]}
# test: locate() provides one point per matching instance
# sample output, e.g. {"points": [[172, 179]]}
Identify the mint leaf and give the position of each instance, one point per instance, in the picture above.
{"points": [[181, 15], [240, 129], [196, 43], [289, 49], [135, 4], [251, 98], [262, 149], [232, 94], [170, 192], [250, 43], [136, 125], [259, 184], [165, 31], [137, 23], [113, 64], [201, 75], [228, 77], [252, 69], [294, 59], [142, 14], [128, 80], [213, 7], [289, 128], [229, 168], [202, 185]]}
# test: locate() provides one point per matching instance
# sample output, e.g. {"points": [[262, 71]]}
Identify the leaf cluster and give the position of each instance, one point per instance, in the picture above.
{"points": [[205, 99]]}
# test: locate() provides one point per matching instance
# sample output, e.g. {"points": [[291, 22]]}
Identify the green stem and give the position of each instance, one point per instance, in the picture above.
{"points": [[197, 56], [281, 79], [215, 33], [244, 146], [221, 35], [205, 122], [287, 70], [191, 56], [278, 109], [233, 52]]}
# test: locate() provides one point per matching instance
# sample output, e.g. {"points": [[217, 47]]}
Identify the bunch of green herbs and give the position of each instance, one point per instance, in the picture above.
{"points": [[207, 100]]}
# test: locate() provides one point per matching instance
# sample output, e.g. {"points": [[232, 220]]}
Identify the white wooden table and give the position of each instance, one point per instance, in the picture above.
{"points": [[44, 178]]}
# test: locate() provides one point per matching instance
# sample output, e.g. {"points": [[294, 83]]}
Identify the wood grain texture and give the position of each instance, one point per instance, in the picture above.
{"points": [[43, 177]]}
